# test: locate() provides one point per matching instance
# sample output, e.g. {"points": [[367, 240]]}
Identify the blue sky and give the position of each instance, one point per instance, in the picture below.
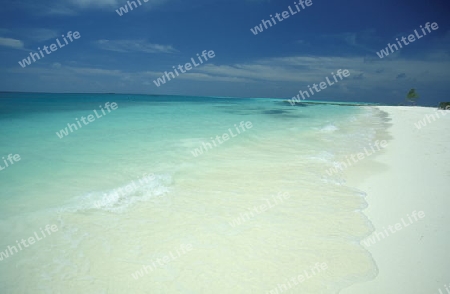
{"points": [[124, 54]]}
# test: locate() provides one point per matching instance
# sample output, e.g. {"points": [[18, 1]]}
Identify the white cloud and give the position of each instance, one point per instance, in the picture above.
{"points": [[212, 78], [110, 3], [39, 34], [13, 43], [94, 3], [95, 71], [72, 7], [60, 11], [134, 46], [366, 72], [198, 77]]}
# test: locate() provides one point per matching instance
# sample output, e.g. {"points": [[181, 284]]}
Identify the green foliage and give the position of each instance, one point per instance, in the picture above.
{"points": [[412, 96], [444, 105]]}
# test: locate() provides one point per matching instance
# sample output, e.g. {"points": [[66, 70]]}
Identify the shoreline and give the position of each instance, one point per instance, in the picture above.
{"points": [[411, 175]]}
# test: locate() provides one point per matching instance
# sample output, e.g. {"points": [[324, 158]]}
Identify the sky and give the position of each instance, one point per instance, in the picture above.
{"points": [[125, 54]]}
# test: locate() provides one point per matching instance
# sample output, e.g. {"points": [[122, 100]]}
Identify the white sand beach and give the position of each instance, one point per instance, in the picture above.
{"points": [[414, 175]]}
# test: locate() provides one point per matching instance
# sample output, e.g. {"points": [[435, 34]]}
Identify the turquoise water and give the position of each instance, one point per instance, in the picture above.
{"points": [[126, 189]]}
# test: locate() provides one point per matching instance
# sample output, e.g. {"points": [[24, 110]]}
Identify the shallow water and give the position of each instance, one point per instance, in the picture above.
{"points": [[126, 191]]}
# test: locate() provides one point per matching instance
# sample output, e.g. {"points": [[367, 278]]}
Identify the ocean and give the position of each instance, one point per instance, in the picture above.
{"points": [[173, 194]]}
